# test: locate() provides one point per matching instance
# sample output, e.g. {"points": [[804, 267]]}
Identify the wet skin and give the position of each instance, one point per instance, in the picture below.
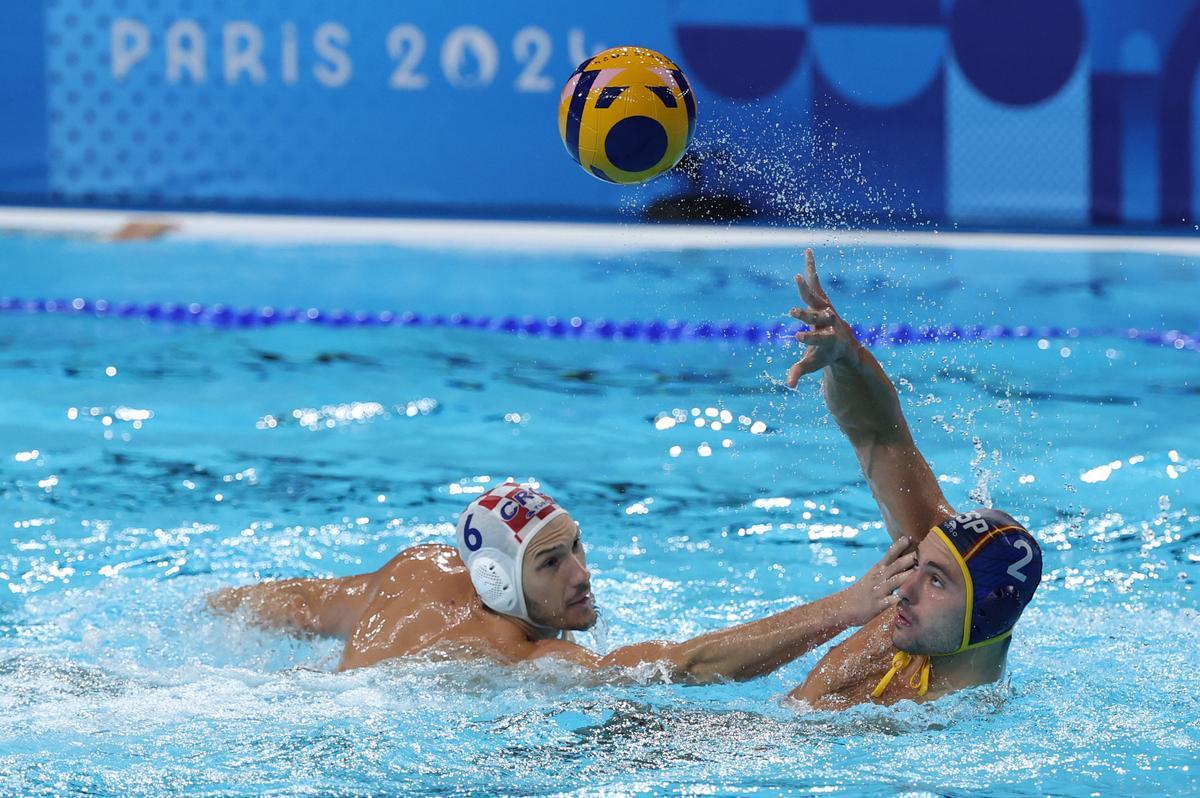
{"points": [[933, 603], [928, 620], [556, 580], [423, 601]]}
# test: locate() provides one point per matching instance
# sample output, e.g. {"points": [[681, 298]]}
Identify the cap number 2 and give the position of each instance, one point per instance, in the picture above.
{"points": [[1014, 570]]}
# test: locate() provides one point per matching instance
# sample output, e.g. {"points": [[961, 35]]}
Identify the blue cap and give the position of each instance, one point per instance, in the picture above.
{"points": [[1001, 565]]}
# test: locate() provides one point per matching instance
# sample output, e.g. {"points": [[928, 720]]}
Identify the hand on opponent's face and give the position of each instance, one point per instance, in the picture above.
{"points": [[830, 338], [876, 591]]}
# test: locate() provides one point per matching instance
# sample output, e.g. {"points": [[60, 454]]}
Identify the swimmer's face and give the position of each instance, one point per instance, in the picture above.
{"points": [[933, 603], [557, 583]]}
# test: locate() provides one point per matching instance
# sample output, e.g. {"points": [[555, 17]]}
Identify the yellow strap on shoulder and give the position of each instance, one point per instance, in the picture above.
{"points": [[898, 661], [918, 681]]}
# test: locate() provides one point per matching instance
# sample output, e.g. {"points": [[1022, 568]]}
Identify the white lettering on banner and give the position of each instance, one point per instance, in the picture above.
{"points": [[326, 40], [532, 46], [185, 51], [130, 42], [469, 57], [243, 51], [290, 55], [406, 44]]}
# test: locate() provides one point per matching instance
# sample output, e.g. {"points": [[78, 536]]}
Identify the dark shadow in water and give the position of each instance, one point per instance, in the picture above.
{"points": [[1009, 391], [633, 734], [34, 679]]}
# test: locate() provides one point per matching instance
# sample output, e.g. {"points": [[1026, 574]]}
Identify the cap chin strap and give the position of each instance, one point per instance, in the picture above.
{"points": [[919, 680]]}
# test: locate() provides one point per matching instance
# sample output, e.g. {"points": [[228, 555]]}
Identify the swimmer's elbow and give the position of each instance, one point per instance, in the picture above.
{"points": [[682, 663], [706, 673], [226, 600], [269, 605], [669, 657], [809, 693], [702, 665]]}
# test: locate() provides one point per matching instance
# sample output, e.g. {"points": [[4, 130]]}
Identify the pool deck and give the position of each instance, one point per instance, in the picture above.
{"points": [[560, 236]]}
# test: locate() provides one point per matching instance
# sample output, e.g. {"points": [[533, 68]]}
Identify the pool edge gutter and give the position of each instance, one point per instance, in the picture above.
{"points": [[560, 236]]}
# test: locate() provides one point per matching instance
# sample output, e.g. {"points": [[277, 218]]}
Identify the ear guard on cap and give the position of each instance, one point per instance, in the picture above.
{"points": [[998, 610], [493, 581]]}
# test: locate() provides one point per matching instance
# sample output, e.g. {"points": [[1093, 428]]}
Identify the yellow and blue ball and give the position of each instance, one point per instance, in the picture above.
{"points": [[627, 115]]}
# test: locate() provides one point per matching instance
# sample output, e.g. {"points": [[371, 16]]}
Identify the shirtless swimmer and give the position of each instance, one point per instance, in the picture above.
{"points": [[519, 577], [516, 582], [977, 571]]}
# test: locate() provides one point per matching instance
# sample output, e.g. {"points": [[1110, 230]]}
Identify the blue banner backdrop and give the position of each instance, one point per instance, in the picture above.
{"points": [[1022, 112]]}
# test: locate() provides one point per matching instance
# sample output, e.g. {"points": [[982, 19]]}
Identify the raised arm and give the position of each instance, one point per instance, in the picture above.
{"points": [[863, 401], [753, 649]]}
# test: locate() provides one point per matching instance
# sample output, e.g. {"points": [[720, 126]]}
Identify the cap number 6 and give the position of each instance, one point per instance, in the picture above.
{"points": [[472, 536]]}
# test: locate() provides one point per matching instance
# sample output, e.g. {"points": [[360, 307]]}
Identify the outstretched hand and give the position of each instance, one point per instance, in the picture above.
{"points": [[830, 337]]}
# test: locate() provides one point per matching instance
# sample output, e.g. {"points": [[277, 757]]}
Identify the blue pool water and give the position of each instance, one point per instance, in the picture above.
{"points": [[143, 465]]}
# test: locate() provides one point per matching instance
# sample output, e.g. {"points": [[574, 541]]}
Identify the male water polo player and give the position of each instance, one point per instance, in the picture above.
{"points": [[516, 583], [976, 571]]}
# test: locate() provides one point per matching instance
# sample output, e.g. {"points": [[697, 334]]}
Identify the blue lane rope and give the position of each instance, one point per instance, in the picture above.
{"points": [[669, 330]]}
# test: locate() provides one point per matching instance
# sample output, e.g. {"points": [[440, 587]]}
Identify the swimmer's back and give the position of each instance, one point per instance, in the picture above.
{"points": [[422, 599]]}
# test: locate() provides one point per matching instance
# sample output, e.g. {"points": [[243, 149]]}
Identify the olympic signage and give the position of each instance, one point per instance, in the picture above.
{"points": [[819, 112], [467, 56]]}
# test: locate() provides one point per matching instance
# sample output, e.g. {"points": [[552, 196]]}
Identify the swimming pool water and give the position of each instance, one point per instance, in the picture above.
{"points": [[143, 465]]}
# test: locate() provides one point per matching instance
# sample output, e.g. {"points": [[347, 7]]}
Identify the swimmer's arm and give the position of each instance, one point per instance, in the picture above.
{"points": [[735, 654], [742, 652], [754, 649], [323, 607], [867, 409]]}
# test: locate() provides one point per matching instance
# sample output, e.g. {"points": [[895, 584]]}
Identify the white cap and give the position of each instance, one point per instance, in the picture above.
{"points": [[492, 535]]}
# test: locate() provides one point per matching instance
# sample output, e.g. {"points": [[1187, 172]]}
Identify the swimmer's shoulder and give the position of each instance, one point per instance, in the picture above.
{"points": [[432, 569], [433, 577], [432, 559], [423, 602], [849, 670]]}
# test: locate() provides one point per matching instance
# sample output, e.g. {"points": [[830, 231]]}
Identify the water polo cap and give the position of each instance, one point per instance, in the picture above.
{"points": [[492, 535], [1001, 565]]}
